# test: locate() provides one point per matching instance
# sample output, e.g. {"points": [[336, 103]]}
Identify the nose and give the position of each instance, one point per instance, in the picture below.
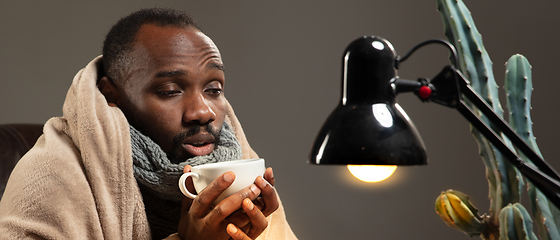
{"points": [[198, 110]]}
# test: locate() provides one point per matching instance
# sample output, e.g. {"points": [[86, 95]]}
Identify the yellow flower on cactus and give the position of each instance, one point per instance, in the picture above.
{"points": [[456, 210]]}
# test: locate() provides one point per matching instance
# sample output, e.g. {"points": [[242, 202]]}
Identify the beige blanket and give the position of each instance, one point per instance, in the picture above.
{"points": [[77, 181]]}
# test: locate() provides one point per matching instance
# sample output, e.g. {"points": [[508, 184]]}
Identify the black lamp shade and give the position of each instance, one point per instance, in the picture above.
{"points": [[368, 127]]}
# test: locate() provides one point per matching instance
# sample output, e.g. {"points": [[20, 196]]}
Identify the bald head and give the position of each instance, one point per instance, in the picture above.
{"points": [[118, 54]]}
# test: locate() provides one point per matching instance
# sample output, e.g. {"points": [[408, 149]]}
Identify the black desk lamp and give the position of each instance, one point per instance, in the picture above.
{"points": [[368, 127]]}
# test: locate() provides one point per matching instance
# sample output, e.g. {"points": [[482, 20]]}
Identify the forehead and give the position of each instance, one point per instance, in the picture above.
{"points": [[162, 45]]}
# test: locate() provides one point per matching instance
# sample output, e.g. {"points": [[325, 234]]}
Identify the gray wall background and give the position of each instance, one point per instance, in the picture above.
{"points": [[283, 63]]}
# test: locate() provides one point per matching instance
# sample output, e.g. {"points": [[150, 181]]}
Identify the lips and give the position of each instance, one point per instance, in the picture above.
{"points": [[199, 144]]}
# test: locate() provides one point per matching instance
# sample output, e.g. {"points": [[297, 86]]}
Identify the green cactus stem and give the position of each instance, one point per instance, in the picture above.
{"points": [[519, 86], [505, 182], [516, 223]]}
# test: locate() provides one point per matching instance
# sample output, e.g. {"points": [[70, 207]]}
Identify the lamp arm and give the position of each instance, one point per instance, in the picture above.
{"points": [[517, 141], [542, 175], [544, 182]]}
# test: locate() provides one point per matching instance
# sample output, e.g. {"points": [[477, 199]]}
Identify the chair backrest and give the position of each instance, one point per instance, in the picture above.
{"points": [[15, 141]]}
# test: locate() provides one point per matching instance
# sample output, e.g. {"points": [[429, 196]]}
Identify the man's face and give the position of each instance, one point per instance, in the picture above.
{"points": [[174, 93]]}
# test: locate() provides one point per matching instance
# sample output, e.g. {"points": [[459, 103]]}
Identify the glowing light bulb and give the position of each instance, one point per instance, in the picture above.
{"points": [[372, 173]]}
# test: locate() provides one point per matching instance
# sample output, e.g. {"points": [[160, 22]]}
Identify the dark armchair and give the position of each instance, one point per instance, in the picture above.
{"points": [[15, 141]]}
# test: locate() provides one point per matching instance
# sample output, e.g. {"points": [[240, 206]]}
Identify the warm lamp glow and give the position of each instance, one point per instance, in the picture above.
{"points": [[372, 173]]}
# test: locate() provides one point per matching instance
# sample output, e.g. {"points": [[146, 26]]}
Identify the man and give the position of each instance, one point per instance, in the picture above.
{"points": [[133, 121]]}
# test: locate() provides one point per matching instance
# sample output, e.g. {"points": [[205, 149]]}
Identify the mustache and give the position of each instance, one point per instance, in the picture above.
{"points": [[196, 129]]}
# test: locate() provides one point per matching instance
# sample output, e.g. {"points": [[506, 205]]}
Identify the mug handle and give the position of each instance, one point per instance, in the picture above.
{"points": [[182, 185]]}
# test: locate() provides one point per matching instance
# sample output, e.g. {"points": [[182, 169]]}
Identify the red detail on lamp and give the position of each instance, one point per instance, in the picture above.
{"points": [[424, 92]]}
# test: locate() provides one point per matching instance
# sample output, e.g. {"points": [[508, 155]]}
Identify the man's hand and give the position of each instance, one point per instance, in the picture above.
{"points": [[201, 220], [266, 203], [254, 229]]}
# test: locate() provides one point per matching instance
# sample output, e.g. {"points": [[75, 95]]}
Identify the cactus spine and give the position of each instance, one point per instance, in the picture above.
{"points": [[504, 181]]}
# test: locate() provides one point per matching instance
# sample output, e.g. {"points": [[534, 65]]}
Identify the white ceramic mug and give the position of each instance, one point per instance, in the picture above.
{"points": [[246, 171]]}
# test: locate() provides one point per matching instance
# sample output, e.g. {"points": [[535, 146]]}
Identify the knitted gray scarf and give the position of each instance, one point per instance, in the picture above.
{"points": [[158, 177]]}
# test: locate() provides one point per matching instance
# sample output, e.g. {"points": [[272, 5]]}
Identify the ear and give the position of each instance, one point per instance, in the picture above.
{"points": [[109, 89]]}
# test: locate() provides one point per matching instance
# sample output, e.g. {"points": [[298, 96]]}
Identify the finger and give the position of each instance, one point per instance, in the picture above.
{"points": [[203, 202], [233, 203], [187, 201], [258, 220], [268, 196], [236, 233], [189, 183], [259, 203], [187, 168], [186, 205], [269, 176], [239, 218]]}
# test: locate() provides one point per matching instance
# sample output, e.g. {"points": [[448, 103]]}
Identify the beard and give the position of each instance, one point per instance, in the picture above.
{"points": [[176, 155]]}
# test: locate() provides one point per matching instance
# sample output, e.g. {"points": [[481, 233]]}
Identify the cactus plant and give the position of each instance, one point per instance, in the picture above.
{"points": [[504, 180], [475, 63], [518, 86], [515, 223]]}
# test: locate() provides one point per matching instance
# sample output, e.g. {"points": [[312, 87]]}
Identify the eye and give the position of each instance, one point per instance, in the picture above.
{"points": [[214, 91], [169, 90], [169, 93], [214, 88]]}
